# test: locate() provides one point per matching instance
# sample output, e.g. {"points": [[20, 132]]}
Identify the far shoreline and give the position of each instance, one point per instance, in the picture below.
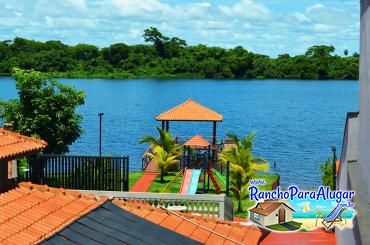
{"points": [[168, 77]]}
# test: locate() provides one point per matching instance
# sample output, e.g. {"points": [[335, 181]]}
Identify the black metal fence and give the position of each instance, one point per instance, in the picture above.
{"points": [[79, 172]]}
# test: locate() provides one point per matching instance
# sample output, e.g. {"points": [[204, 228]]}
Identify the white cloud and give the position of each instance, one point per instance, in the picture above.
{"points": [[254, 24], [81, 4], [314, 7], [323, 28], [49, 21], [204, 5], [247, 9], [141, 7], [301, 17]]}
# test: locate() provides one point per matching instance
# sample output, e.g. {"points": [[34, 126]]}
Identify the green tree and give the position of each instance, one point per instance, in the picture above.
{"points": [[165, 141], [345, 52], [243, 165], [164, 159], [45, 109], [159, 41], [116, 53], [326, 169], [85, 51]]}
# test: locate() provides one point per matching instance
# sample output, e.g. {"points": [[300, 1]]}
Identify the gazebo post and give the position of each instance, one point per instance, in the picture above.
{"points": [[167, 125], [204, 170], [162, 125], [214, 139]]}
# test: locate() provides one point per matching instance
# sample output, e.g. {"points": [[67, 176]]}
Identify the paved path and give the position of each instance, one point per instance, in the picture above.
{"points": [[143, 184], [315, 237]]}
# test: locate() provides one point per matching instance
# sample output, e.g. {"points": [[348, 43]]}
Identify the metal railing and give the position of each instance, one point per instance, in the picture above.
{"points": [[79, 172], [215, 206], [145, 159]]}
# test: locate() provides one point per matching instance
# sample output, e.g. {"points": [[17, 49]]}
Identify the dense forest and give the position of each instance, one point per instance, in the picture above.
{"points": [[172, 57]]}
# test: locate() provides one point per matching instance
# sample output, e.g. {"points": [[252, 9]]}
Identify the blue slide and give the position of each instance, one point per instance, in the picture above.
{"points": [[194, 181]]}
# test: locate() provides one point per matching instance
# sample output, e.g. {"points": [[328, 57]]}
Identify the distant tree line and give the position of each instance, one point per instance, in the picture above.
{"points": [[171, 57]]}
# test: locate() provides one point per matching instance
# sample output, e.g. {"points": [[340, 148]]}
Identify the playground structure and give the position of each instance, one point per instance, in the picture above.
{"points": [[199, 160]]}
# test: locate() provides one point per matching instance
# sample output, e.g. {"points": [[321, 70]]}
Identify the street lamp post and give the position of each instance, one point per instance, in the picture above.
{"points": [[334, 149], [100, 114]]}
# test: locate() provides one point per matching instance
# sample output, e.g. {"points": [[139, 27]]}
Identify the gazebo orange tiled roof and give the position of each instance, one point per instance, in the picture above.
{"points": [[13, 145], [197, 141], [190, 111]]}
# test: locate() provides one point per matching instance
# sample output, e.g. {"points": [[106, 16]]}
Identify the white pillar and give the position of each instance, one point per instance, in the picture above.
{"points": [[364, 92]]}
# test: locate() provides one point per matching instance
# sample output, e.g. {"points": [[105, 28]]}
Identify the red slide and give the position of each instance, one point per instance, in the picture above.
{"points": [[186, 181], [215, 184]]}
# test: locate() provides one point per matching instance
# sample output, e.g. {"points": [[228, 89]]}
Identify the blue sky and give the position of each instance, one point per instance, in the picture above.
{"points": [[269, 27]]}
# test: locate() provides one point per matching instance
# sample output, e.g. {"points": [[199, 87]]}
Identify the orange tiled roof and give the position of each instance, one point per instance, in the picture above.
{"points": [[204, 230], [197, 141], [31, 213], [13, 145], [190, 111]]}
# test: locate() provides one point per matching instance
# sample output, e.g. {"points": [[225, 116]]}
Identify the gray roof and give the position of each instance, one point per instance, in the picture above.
{"points": [[109, 224]]}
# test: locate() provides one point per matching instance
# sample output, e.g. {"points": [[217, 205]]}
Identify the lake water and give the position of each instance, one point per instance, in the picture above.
{"points": [[296, 121]]}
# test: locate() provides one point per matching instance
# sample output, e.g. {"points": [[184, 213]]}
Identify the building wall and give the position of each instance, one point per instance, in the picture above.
{"points": [[364, 93], [357, 138]]}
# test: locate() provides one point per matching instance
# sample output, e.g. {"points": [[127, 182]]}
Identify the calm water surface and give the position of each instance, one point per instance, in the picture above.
{"points": [[296, 121]]}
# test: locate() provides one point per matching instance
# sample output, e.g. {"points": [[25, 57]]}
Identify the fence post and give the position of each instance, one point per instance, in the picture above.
{"points": [[227, 178], [127, 174]]}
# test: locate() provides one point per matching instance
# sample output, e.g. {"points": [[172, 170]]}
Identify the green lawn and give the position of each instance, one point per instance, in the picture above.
{"points": [[133, 177], [278, 227], [157, 185], [175, 186]]}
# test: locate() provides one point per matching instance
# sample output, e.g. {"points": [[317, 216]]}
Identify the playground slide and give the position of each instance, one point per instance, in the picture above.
{"points": [[194, 181], [186, 181], [219, 176]]}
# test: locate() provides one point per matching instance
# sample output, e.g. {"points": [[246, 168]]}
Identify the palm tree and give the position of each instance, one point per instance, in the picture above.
{"points": [[165, 140], [243, 165], [319, 214], [164, 160]]}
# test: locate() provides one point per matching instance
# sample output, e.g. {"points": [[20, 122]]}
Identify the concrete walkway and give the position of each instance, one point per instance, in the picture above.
{"points": [[143, 184]]}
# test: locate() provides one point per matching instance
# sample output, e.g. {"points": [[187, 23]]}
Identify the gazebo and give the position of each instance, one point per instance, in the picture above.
{"points": [[191, 111]]}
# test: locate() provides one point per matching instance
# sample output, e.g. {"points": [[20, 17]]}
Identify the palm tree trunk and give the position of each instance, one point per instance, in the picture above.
{"points": [[162, 176], [239, 206]]}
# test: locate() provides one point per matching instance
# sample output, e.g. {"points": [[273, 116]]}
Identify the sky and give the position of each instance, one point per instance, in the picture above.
{"points": [[268, 27]]}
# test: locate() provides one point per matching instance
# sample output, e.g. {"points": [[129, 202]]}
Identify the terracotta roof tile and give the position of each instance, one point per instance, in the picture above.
{"points": [[203, 230], [13, 145], [190, 111], [197, 141], [30, 213]]}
